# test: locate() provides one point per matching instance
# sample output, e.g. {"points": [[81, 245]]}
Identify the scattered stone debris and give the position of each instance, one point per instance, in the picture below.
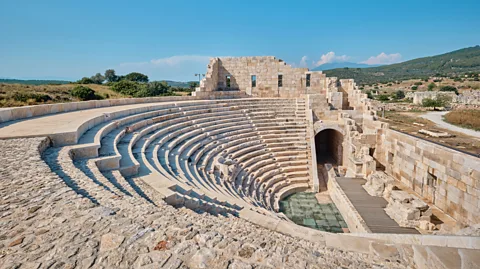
{"points": [[162, 245], [435, 133]]}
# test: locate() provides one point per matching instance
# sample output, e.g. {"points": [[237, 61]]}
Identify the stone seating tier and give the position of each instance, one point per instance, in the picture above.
{"points": [[179, 143]]}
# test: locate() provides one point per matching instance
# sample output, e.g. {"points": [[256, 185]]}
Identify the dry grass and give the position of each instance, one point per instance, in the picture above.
{"points": [[466, 118], [57, 93], [406, 85]]}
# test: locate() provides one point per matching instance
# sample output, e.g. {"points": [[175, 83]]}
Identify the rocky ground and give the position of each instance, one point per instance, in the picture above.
{"points": [[65, 220]]}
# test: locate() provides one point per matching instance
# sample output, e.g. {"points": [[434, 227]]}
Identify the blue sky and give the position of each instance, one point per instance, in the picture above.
{"points": [[174, 39]]}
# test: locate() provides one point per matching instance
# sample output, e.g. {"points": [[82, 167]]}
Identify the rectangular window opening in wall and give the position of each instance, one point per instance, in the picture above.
{"points": [[307, 82], [431, 180], [390, 157], [228, 81], [254, 81], [280, 80]]}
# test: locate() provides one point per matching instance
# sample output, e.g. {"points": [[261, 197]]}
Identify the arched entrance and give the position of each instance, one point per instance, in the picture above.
{"points": [[328, 147]]}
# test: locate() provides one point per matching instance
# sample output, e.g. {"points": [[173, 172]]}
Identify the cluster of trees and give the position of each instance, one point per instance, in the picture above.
{"points": [[442, 100], [449, 89], [136, 89], [111, 77], [133, 84], [398, 95]]}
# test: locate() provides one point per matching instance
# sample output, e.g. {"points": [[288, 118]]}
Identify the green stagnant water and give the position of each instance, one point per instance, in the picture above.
{"points": [[304, 209]]}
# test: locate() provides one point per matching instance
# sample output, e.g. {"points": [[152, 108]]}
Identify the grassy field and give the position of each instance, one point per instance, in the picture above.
{"points": [[411, 123], [465, 118], [404, 121], [406, 85], [22, 94]]}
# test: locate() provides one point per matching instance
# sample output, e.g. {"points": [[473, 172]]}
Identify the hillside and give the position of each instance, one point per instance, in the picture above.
{"points": [[33, 81], [329, 66], [454, 63]]}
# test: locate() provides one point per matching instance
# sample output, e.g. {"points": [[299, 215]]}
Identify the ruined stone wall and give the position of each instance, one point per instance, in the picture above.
{"points": [[419, 96], [266, 69], [209, 83], [445, 177], [448, 178]]}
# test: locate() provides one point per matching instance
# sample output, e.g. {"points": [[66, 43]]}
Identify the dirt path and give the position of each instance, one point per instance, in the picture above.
{"points": [[437, 118]]}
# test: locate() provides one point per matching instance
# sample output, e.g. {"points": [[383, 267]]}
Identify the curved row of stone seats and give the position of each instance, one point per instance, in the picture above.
{"points": [[208, 158], [166, 162], [194, 125]]}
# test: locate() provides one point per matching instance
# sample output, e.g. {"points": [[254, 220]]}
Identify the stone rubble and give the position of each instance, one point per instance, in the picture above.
{"points": [[62, 219]]}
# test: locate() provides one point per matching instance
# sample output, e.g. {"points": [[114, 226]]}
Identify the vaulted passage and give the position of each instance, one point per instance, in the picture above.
{"points": [[328, 145]]}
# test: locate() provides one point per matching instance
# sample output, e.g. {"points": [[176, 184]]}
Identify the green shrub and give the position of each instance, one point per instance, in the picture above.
{"points": [[154, 88], [414, 88], [24, 97], [449, 89], [126, 87], [431, 86], [85, 80], [136, 77], [369, 94], [135, 89], [383, 97], [440, 101], [84, 93], [399, 94], [418, 83]]}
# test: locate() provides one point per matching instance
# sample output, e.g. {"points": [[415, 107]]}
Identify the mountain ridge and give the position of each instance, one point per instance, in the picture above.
{"points": [[329, 66], [452, 63]]}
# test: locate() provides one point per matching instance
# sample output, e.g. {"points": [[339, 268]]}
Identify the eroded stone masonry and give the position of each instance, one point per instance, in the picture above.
{"points": [[197, 182]]}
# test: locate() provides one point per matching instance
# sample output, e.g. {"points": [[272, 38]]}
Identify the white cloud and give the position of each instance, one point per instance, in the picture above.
{"points": [[178, 67], [175, 60], [303, 62], [384, 58], [332, 58]]}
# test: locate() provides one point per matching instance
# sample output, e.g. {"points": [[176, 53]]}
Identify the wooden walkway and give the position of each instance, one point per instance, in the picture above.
{"points": [[371, 208]]}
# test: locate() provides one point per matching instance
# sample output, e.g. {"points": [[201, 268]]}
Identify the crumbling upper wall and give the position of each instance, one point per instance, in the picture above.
{"points": [[266, 69]]}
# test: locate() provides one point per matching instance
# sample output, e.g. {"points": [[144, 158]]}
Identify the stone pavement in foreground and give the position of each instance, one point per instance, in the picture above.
{"points": [[45, 223]]}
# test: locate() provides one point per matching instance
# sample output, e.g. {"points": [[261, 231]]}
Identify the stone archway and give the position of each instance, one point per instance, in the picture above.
{"points": [[328, 146]]}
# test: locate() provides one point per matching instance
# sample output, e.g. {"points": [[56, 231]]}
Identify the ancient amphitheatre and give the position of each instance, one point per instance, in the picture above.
{"points": [[199, 181]]}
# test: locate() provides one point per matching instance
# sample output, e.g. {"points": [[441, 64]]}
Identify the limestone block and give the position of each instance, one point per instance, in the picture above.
{"points": [[377, 182]]}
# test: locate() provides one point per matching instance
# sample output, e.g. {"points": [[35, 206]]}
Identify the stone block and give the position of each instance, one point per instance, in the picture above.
{"points": [[443, 257]]}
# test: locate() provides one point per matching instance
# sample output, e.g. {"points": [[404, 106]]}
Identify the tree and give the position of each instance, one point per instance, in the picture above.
{"points": [[442, 100], [85, 80], [383, 97], [399, 94], [110, 75], [414, 88], [136, 77], [126, 87], [449, 89], [98, 78], [193, 84], [431, 86], [154, 88]]}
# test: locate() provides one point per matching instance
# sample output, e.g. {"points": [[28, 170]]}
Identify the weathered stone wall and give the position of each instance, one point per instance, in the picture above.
{"points": [[448, 178], [266, 69], [419, 96], [445, 177]]}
